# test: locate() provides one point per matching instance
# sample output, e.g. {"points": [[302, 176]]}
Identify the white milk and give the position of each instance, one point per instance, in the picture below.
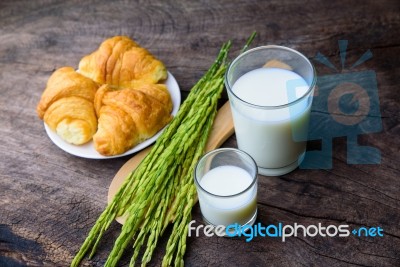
{"points": [[275, 138], [228, 181]]}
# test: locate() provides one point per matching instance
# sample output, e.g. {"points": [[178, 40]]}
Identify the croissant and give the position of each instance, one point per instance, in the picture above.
{"points": [[67, 106], [127, 116], [120, 61]]}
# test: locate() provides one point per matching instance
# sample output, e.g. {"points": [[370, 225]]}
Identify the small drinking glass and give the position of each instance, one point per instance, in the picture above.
{"points": [[226, 183]]}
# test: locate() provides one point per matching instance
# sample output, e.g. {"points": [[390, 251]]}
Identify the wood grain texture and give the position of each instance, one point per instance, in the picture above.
{"points": [[49, 199]]}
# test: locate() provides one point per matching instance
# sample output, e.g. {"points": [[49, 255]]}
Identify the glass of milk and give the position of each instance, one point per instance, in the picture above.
{"points": [[226, 183], [270, 90]]}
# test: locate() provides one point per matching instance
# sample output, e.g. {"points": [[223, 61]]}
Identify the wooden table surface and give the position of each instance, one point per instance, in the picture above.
{"points": [[50, 199]]}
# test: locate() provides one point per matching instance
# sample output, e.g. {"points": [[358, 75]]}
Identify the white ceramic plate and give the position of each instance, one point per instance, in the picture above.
{"points": [[87, 150]]}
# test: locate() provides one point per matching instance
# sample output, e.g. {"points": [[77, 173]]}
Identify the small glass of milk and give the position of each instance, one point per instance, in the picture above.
{"points": [[270, 90], [226, 183]]}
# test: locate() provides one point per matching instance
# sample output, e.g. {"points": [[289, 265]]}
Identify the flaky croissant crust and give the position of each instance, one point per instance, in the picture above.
{"points": [[120, 61], [65, 82]]}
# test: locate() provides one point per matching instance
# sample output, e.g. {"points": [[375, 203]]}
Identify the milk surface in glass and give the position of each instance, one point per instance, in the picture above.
{"points": [[275, 138], [227, 181]]}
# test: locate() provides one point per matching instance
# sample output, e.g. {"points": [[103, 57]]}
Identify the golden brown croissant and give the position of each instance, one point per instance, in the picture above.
{"points": [[127, 116], [67, 106], [120, 61]]}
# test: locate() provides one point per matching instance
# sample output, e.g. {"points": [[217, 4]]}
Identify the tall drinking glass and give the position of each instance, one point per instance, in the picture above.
{"points": [[270, 90]]}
